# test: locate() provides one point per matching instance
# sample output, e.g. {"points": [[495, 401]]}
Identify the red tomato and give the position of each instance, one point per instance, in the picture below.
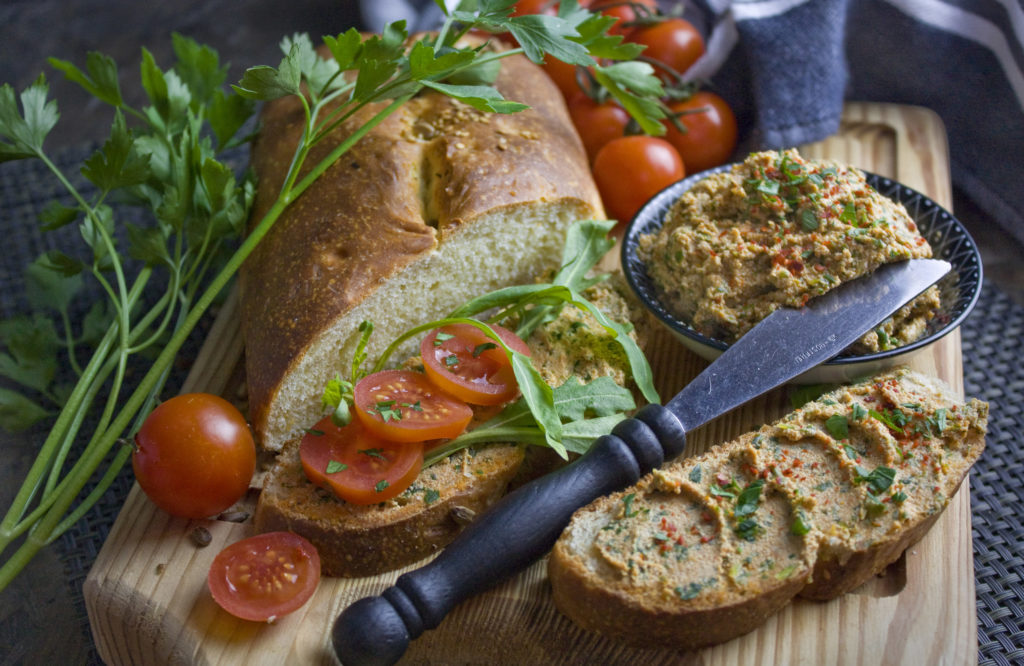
{"points": [[631, 170], [674, 42], [194, 455], [356, 465], [264, 577], [523, 7], [624, 11], [563, 74], [404, 406], [596, 123], [710, 134], [463, 361]]}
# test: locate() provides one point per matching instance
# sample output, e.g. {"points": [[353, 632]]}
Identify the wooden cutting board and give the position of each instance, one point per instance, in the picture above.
{"points": [[148, 603]]}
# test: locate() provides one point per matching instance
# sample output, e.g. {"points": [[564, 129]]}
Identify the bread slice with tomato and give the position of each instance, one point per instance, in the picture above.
{"points": [[301, 493]]}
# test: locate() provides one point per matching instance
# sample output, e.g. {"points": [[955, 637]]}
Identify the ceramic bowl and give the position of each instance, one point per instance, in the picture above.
{"points": [[947, 236]]}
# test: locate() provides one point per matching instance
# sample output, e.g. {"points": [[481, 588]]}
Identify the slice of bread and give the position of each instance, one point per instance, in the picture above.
{"points": [[355, 540], [705, 549]]}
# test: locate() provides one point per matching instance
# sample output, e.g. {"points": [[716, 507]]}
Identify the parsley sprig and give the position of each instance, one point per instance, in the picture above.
{"points": [[165, 157]]}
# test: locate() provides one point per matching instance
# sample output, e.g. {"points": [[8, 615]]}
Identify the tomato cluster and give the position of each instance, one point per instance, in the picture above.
{"points": [[628, 168], [401, 413]]}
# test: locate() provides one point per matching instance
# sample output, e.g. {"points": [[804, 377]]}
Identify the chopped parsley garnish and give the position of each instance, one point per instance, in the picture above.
{"points": [[838, 426], [387, 411], [381, 485], [373, 453], [748, 499], [430, 496], [899, 497], [851, 452], [799, 526], [748, 529], [878, 480], [441, 337], [333, 467], [689, 591], [481, 348], [695, 474], [859, 413], [415, 406], [315, 432], [808, 219], [627, 505], [451, 361]]}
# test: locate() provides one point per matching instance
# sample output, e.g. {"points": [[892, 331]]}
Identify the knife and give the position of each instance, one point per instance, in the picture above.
{"points": [[525, 524]]}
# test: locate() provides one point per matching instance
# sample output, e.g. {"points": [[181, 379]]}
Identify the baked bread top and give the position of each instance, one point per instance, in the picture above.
{"points": [[438, 203]]}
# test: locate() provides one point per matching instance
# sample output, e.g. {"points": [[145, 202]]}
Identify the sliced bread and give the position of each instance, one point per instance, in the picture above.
{"points": [[706, 549]]}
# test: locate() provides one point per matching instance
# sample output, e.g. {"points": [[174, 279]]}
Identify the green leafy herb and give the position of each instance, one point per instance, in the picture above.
{"points": [[858, 413], [837, 426], [381, 485], [333, 467], [442, 337], [695, 474], [374, 453], [627, 505], [481, 348], [387, 411], [749, 497], [799, 526], [430, 496], [748, 529]]}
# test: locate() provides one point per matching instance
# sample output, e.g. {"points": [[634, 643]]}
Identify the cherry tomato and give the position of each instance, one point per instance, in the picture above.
{"points": [[674, 42], [562, 74], [462, 360], [631, 170], [356, 465], [624, 11], [597, 124], [264, 577], [194, 455], [404, 406], [523, 7], [710, 134]]}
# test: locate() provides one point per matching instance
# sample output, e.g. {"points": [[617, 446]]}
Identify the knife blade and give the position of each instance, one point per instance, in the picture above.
{"points": [[525, 524]]}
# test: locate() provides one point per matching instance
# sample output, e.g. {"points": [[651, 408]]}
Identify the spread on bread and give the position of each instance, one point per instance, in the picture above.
{"points": [[705, 549], [773, 232]]}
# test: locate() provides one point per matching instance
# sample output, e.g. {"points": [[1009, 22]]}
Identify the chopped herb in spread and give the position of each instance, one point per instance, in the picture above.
{"points": [[333, 467]]}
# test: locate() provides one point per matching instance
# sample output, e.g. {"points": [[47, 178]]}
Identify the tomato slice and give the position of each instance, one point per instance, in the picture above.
{"points": [[356, 465], [462, 360], [266, 576], [404, 406]]}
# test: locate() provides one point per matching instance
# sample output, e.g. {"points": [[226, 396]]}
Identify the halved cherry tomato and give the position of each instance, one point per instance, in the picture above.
{"points": [[194, 455], [404, 406], [266, 576], [356, 465], [597, 124], [710, 134], [464, 361], [674, 42], [632, 169]]}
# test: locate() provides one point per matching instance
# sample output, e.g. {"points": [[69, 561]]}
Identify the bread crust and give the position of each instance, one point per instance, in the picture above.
{"points": [[607, 577], [418, 180], [355, 540]]}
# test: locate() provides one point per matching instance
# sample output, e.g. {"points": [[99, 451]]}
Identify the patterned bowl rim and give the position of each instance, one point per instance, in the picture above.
{"points": [[948, 237]]}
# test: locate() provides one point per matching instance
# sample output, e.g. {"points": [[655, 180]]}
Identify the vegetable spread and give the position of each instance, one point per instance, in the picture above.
{"points": [[775, 231]]}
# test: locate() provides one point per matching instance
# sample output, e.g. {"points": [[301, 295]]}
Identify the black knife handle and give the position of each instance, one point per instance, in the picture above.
{"points": [[506, 539]]}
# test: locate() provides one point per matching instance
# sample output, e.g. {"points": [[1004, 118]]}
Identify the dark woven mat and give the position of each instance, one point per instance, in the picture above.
{"points": [[992, 367]]}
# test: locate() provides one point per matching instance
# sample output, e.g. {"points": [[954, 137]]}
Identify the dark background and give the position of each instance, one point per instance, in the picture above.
{"points": [[40, 616]]}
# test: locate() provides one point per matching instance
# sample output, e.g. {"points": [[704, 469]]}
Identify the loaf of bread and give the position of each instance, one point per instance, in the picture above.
{"points": [[437, 204], [705, 549]]}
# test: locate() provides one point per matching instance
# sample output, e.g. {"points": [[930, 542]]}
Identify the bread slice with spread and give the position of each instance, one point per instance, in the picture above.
{"points": [[706, 549]]}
